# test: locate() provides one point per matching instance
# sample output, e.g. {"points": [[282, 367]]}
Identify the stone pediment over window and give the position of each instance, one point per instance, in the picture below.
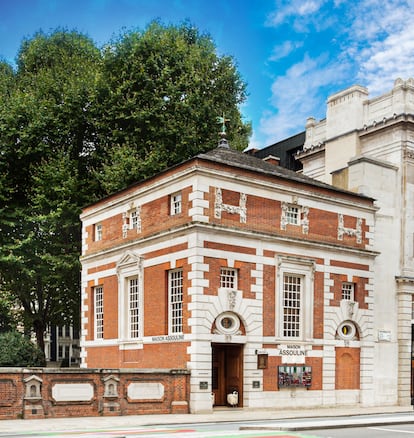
{"points": [[130, 271], [111, 386], [33, 386], [129, 259]]}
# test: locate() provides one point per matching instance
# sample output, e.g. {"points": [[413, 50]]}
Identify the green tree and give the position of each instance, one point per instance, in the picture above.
{"points": [[46, 157], [160, 93], [16, 350], [43, 266], [77, 123], [8, 313]]}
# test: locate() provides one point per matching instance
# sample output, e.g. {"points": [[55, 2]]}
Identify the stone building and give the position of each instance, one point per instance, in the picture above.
{"points": [[367, 146], [257, 280]]}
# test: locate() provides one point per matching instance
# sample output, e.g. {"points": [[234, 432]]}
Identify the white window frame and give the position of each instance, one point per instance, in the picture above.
{"points": [[293, 214], [98, 232], [228, 323], [296, 215], [348, 291], [347, 330], [64, 331], [228, 278], [98, 305], [175, 301], [134, 309], [135, 219], [292, 305], [176, 201], [64, 351], [302, 269], [130, 267]]}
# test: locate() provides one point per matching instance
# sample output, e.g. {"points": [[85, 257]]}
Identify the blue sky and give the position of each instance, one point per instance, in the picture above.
{"points": [[292, 54]]}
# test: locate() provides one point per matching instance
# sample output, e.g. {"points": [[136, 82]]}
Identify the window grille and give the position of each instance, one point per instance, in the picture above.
{"points": [[228, 278], [348, 291], [133, 306], [99, 315], [134, 219], [291, 306], [175, 286], [176, 203], [292, 215], [98, 232]]}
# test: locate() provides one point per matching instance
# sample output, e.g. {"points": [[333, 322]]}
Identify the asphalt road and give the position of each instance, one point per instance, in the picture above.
{"points": [[231, 432], [387, 431], [319, 427]]}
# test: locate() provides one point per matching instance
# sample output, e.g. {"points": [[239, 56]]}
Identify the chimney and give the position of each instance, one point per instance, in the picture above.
{"points": [[272, 160]]}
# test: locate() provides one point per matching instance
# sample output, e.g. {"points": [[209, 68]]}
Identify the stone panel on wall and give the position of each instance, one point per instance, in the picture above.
{"points": [[92, 392], [72, 392], [145, 391]]}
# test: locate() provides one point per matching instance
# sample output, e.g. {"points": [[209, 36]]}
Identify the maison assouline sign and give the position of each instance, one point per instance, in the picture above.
{"points": [[292, 353], [170, 338]]}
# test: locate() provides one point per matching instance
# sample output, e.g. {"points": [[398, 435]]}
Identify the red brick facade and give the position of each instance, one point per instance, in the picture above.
{"points": [[54, 393], [290, 246]]}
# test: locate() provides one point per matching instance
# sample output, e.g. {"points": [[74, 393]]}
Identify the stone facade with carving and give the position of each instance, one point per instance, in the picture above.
{"points": [[252, 278], [367, 145]]}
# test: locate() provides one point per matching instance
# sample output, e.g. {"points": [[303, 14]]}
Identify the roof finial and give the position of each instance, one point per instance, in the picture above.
{"points": [[223, 140]]}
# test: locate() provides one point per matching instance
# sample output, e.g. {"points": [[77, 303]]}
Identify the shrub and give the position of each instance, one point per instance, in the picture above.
{"points": [[16, 350]]}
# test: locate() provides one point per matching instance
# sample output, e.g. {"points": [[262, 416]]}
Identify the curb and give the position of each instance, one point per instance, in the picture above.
{"points": [[337, 424]]}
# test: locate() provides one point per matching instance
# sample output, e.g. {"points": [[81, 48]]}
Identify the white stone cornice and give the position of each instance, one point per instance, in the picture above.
{"points": [[405, 285], [202, 226]]}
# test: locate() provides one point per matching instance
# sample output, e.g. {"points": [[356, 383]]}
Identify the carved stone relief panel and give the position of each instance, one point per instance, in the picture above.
{"points": [[353, 232], [240, 209]]}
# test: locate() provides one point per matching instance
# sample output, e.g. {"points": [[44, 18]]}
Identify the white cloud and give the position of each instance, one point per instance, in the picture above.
{"points": [[293, 8], [366, 42], [297, 95], [285, 49], [301, 16], [384, 49]]}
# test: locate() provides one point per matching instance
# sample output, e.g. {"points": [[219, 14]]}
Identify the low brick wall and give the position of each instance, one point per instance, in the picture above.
{"points": [[74, 392]]}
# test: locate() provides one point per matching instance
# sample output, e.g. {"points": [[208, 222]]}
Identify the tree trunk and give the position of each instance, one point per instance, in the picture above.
{"points": [[40, 330]]}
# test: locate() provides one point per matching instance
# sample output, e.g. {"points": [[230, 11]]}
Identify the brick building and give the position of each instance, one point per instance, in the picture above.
{"points": [[252, 277]]}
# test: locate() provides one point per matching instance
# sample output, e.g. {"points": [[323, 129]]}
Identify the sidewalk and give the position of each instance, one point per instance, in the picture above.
{"points": [[288, 419]]}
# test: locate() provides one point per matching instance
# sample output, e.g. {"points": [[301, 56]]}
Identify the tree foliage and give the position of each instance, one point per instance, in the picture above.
{"points": [[162, 90], [76, 123], [17, 350], [45, 127], [9, 316]]}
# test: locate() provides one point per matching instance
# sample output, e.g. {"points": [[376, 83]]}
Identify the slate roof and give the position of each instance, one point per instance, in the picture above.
{"points": [[236, 159], [233, 158]]}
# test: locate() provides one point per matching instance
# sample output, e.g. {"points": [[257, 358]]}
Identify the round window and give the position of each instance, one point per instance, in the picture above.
{"points": [[347, 330], [227, 323]]}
